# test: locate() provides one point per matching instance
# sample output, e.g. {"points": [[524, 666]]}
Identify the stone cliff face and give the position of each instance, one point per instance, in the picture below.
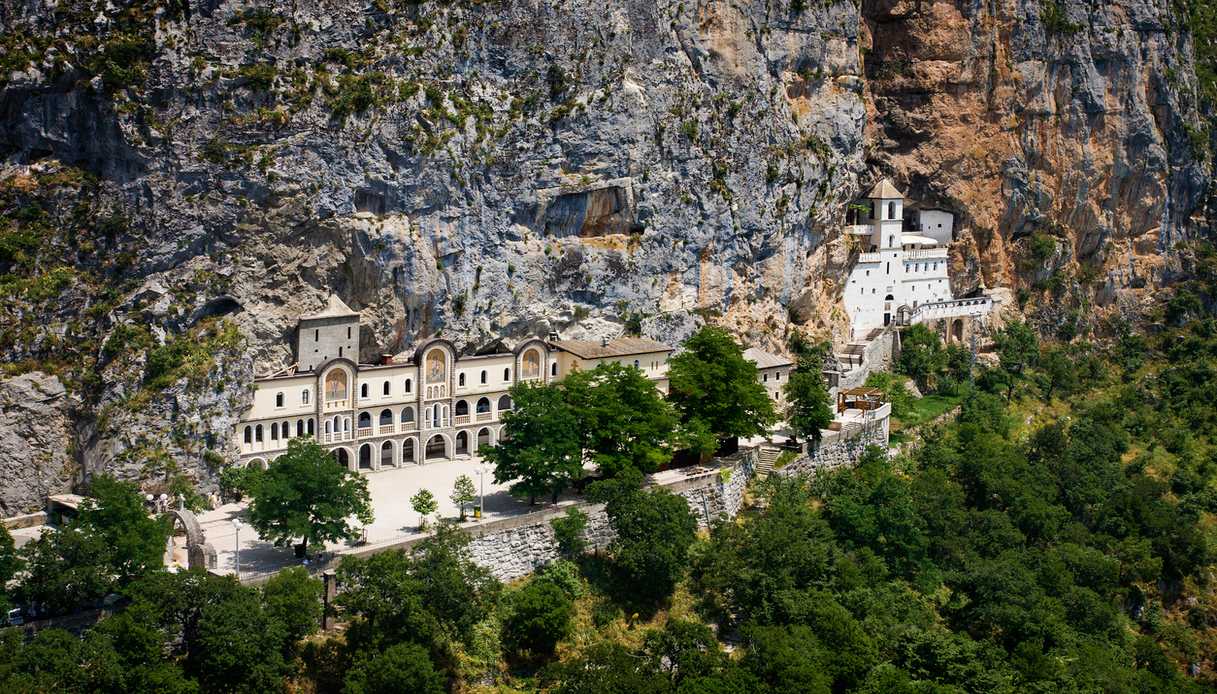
{"points": [[1066, 136], [475, 169]]}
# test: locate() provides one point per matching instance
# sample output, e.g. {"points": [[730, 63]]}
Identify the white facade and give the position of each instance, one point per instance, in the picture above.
{"points": [[435, 404], [772, 372], [899, 269], [936, 224]]}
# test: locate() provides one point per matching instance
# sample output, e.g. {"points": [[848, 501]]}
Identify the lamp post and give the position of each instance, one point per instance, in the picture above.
{"points": [[481, 492], [236, 525]]}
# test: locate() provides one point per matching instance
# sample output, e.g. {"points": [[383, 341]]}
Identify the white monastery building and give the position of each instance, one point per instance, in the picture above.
{"points": [[900, 277], [772, 371], [435, 403]]}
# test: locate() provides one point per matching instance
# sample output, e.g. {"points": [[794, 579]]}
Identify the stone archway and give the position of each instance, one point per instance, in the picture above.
{"points": [[437, 448], [199, 554], [957, 330], [485, 438]]}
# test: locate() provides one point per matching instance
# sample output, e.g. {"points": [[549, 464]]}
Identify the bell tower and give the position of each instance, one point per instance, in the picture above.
{"points": [[328, 334]]}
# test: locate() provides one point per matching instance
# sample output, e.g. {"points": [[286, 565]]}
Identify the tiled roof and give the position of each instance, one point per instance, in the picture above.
{"points": [[884, 190], [765, 360], [619, 347], [334, 308]]}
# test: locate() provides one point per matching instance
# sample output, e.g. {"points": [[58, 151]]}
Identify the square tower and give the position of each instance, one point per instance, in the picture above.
{"points": [[327, 334]]}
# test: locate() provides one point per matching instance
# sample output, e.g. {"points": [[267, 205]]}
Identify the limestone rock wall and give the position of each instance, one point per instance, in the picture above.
{"points": [[35, 438], [512, 168]]}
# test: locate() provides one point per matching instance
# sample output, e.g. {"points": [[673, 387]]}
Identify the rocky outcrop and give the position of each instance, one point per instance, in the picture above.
{"points": [[1061, 132], [35, 438], [513, 168]]}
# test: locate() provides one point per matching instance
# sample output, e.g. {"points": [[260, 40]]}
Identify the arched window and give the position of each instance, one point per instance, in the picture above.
{"points": [[249, 434], [483, 375], [363, 390], [278, 399], [258, 433], [310, 427], [407, 415], [286, 428], [304, 396], [327, 426], [274, 431], [365, 420], [299, 427], [385, 390], [553, 369], [891, 210], [530, 364], [462, 408], [636, 364], [336, 385], [483, 405], [409, 385], [505, 403], [437, 366], [460, 380], [386, 418]]}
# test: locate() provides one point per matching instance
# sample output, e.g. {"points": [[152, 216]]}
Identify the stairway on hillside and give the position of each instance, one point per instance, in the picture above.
{"points": [[767, 456]]}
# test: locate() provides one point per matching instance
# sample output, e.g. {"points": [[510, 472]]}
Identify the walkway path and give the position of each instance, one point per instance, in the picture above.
{"points": [[390, 491]]}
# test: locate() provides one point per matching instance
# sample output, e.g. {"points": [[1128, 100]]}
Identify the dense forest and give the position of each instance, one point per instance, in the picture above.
{"points": [[1055, 534]]}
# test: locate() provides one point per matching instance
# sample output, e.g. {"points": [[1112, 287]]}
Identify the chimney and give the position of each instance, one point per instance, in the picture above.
{"points": [[386, 359]]}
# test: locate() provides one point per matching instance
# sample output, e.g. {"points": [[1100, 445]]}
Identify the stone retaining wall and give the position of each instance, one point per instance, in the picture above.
{"points": [[515, 547], [846, 450]]}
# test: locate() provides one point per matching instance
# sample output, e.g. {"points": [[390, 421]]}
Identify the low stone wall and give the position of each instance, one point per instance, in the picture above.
{"points": [[831, 454], [515, 547], [876, 357]]}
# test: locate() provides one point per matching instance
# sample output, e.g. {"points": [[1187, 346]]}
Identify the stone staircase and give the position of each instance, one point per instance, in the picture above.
{"points": [[766, 457]]}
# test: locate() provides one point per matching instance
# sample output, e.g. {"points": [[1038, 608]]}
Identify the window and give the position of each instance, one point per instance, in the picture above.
{"points": [[363, 390], [765, 378], [278, 399], [286, 428], [316, 335], [891, 241], [553, 369], [460, 380], [339, 351], [777, 376], [274, 431], [506, 375], [483, 378], [348, 333], [304, 396], [258, 433], [636, 364], [889, 268], [310, 427], [891, 214], [385, 391], [299, 427], [409, 385], [249, 435]]}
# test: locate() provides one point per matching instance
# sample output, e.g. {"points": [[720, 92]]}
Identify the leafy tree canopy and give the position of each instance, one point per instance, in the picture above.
{"points": [[306, 495], [711, 382]]}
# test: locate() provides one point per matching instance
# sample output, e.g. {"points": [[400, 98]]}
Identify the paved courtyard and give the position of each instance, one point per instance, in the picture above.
{"points": [[390, 491]]}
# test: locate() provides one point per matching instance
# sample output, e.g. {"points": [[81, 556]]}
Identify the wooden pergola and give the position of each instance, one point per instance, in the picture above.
{"points": [[860, 398]]}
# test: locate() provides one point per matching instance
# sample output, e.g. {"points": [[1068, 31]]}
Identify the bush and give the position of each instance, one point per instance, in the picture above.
{"points": [[293, 597], [540, 617], [405, 667], [568, 532]]}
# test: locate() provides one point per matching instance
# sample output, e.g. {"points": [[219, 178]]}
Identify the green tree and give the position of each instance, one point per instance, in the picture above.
{"points": [[306, 495], [115, 512], [10, 564], [463, 493], [622, 418], [293, 598], [424, 504], [539, 616], [654, 531], [237, 645], [66, 568], [1017, 347], [405, 667], [568, 532], [539, 451], [921, 356], [711, 382], [1057, 374], [810, 408]]}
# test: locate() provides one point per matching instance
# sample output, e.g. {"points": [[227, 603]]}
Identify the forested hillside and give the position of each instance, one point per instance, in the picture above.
{"points": [[1056, 535]]}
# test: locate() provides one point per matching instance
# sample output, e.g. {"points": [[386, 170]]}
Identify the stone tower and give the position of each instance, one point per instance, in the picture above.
{"points": [[327, 334]]}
